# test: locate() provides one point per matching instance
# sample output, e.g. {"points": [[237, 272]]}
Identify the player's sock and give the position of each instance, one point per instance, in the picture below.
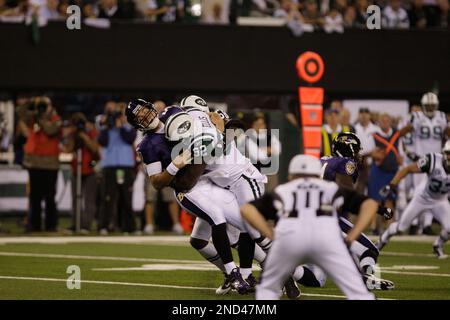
{"points": [[222, 244], [208, 251], [443, 237], [368, 260], [259, 255], [230, 266], [264, 243], [245, 272], [298, 273], [391, 230], [246, 249], [308, 278]]}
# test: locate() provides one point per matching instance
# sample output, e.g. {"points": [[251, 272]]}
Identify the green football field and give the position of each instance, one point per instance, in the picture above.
{"points": [[166, 267]]}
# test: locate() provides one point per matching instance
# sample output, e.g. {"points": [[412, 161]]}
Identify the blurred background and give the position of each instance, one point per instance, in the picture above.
{"points": [[63, 92]]}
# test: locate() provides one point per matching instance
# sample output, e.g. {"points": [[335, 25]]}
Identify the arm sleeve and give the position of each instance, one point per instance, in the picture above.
{"points": [[352, 200], [267, 205], [424, 163]]}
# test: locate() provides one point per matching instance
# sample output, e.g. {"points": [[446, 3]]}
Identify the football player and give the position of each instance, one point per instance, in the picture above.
{"points": [[431, 196], [342, 167]]}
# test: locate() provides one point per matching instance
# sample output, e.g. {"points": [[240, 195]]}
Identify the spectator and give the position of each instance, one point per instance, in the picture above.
{"points": [[364, 129], [444, 14], [341, 6], [330, 130], [262, 145], [165, 10], [20, 130], [344, 118], [217, 15], [110, 9], [312, 16], [50, 11], [417, 14], [394, 16], [334, 22], [117, 162], [386, 158], [89, 11], [82, 137], [337, 105], [350, 17], [42, 160], [361, 13], [5, 138]]}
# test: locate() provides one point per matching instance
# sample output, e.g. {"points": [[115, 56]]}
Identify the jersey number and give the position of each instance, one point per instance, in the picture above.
{"points": [[425, 133], [306, 203], [437, 186]]}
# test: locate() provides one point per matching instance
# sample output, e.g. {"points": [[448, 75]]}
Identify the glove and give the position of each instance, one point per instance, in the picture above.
{"points": [[386, 213], [412, 156], [389, 190]]}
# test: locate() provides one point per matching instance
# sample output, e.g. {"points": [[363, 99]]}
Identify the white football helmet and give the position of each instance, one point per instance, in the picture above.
{"points": [[179, 126], [196, 102], [446, 154], [305, 164], [430, 103]]}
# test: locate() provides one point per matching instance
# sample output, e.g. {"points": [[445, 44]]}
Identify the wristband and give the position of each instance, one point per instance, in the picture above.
{"points": [[172, 169]]}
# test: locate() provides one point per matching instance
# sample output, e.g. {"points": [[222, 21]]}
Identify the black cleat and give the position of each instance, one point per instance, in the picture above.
{"points": [[237, 282], [413, 230], [251, 280], [291, 289]]}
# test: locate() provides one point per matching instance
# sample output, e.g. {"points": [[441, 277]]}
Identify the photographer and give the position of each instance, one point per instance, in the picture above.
{"points": [[81, 137], [118, 161], [42, 160]]}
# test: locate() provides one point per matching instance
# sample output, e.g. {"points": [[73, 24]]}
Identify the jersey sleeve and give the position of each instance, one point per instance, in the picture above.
{"points": [[268, 205], [414, 121], [348, 200], [425, 163]]}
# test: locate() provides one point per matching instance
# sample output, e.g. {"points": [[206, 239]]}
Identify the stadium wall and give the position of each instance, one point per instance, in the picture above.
{"points": [[136, 56]]}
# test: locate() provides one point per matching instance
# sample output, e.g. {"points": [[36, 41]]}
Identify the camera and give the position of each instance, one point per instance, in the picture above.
{"points": [[111, 118], [38, 106], [80, 125]]}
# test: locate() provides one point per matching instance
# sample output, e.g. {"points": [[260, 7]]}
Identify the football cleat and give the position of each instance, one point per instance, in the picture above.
{"points": [[380, 244], [374, 283], [439, 251], [291, 289], [237, 282], [251, 280], [225, 287]]}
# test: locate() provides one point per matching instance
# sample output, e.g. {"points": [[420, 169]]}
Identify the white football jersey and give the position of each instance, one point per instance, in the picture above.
{"points": [[232, 164], [437, 186], [428, 133]]}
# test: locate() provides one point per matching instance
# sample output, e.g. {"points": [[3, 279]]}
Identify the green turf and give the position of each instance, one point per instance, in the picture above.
{"points": [[407, 286]]}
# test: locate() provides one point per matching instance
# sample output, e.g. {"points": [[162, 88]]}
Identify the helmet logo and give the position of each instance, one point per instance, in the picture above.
{"points": [[200, 102], [184, 127]]}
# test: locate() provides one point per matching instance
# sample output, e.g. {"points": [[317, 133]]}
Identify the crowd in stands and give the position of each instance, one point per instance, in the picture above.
{"points": [[304, 15]]}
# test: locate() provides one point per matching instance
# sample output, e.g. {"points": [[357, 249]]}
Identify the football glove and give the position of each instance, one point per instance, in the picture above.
{"points": [[388, 191], [386, 213]]}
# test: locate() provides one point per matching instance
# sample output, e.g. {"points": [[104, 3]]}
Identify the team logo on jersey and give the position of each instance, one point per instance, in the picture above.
{"points": [[184, 127], [350, 168], [180, 196], [200, 102]]}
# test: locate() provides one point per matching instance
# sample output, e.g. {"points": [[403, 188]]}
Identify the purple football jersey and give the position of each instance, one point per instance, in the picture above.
{"points": [[334, 165]]}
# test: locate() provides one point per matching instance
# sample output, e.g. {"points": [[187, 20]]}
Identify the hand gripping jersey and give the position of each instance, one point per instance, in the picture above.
{"points": [[437, 185], [428, 133], [333, 165]]}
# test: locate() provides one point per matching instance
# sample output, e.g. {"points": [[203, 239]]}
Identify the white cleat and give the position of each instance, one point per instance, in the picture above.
{"points": [[439, 251], [225, 287]]}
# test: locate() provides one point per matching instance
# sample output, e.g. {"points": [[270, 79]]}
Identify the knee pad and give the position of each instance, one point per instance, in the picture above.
{"points": [[198, 244]]}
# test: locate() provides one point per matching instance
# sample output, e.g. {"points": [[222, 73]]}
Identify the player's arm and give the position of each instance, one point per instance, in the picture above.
{"points": [[365, 207], [217, 120], [161, 179], [406, 129], [402, 173], [259, 211]]}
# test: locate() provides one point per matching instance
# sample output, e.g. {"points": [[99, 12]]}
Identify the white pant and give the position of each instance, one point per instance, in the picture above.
{"points": [[316, 240], [440, 209], [420, 179], [202, 230], [216, 205]]}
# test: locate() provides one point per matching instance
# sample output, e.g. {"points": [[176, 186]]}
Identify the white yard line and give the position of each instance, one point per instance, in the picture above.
{"points": [[160, 240], [134, 284], [80, 257], [444, 275]]}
